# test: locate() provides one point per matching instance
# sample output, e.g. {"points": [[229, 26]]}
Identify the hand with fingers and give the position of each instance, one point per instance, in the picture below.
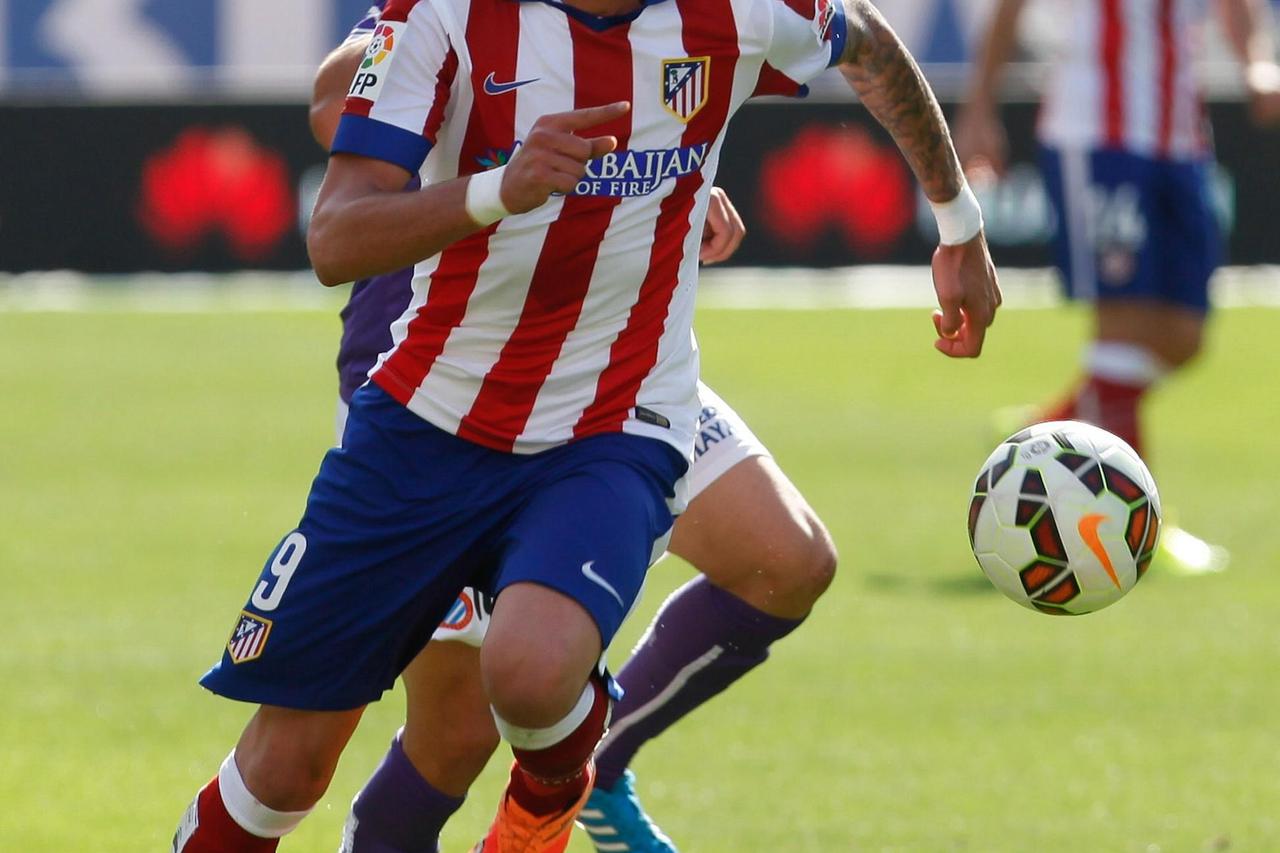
{"points": [[554, 156], [968, 295], [724, 230]]}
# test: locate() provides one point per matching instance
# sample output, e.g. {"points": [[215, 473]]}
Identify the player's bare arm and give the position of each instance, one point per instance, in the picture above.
{"points": [[365, 225], [329, 90], [891, 85], [980, 136], [1247, 28]]}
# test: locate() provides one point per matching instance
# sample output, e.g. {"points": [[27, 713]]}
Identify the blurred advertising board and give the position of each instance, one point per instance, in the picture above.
{"points": [[220, 187], [823, 185], [169, 188]]}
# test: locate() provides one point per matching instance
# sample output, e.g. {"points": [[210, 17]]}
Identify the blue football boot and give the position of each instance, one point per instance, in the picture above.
{"points": [[616, 821]]}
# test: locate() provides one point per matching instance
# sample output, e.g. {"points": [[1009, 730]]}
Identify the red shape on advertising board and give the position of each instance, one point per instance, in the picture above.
{"points": [[837, 178], [217, 181]]}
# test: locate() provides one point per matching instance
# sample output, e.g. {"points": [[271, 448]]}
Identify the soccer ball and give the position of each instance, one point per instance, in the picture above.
{"points": [[1064, 518]]}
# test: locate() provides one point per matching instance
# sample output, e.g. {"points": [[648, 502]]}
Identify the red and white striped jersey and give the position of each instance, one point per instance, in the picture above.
{"points": [[575, 318], [1126, 79]]}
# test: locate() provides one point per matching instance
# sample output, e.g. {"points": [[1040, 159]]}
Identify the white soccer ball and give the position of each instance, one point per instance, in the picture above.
{"points": [[1064, 517]]}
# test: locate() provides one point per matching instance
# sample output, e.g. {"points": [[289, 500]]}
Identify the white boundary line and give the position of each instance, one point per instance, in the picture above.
{"points": [[737, 288]]}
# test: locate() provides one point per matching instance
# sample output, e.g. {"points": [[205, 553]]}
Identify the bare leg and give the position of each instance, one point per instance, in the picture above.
{"points": [[449, 733], [280, 768], [766, 558], [287, 757], [753, 535]]}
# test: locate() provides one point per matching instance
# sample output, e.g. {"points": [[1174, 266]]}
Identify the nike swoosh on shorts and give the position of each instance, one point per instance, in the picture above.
{"points": [[591, 575]]}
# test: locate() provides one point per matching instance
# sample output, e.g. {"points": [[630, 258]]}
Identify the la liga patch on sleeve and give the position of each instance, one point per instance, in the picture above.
{"points": [[377, 60]]}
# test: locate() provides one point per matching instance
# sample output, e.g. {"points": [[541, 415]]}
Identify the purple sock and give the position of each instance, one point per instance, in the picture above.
{"points": [[702, 640], [397, 811]]}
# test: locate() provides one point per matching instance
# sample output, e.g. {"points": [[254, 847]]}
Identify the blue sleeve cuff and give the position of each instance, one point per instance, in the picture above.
{"points": [[837, 33], [381, 141]]}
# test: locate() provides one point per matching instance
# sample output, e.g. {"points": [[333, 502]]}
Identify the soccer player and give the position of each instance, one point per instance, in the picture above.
{"points": [[1126, 160], [528, 433], [765, 555]]}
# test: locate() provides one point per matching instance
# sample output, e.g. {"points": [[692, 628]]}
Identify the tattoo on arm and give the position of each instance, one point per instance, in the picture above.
{"points": [[890, 85]]}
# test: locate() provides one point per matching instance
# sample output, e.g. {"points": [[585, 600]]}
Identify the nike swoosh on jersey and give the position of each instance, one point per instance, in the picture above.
{"points": [[590, 575], [493, 87], [1088, 527]]}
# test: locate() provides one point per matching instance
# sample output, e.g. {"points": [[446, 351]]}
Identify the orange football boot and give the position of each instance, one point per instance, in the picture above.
{"points": [[515, 830]]}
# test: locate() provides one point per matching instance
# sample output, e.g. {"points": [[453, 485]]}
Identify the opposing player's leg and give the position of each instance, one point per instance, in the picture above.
{"points": [[765, 558], [448, 670], [446, 741], [447, 738], [574, 558]]}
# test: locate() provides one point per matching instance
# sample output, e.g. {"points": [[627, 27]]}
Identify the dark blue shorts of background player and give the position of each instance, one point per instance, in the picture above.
{"points": [[1133, 227]]}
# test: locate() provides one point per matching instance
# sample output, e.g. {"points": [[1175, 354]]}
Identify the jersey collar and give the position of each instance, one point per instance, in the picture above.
{"points": [[599, 23]]}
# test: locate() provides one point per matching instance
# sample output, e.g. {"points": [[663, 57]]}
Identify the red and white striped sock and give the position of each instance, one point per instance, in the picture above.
{"points": [[225, 817], [551, 772], [1117, 377]]}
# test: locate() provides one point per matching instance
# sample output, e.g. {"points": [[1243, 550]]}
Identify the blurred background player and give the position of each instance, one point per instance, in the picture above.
{"points": [[365, 223], [1126, 158], [764, 554]]}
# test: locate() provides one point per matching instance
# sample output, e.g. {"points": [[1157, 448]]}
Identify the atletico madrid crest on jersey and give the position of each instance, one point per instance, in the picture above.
{"points": [[249, 637], [685, 83]]}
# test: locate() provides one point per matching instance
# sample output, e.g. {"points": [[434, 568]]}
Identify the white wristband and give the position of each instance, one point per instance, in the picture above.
{"points": [[1262, 76], [960, 219], [484, 197]]}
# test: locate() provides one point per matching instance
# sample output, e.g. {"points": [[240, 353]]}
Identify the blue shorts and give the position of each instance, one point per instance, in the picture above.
{"points": [[1130, 227], [404, 515]]}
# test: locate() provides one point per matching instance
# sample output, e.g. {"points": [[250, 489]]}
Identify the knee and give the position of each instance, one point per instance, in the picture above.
{"points": [[801, 566], [287, 758], [1174, 334], [530, 687], [1181, 344], [284, 779], [540, 648]]}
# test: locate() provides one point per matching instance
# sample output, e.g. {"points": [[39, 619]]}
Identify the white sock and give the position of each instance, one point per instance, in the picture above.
{"points": [[1124, 363], [522, 738], [244, 808]]}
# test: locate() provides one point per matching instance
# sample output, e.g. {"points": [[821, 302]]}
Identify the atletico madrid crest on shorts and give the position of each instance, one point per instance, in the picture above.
{"points": [[249, 637], [685, 83]]}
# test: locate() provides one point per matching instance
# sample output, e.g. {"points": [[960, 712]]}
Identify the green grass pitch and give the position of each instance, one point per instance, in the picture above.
{"points": [[148, 462]]}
